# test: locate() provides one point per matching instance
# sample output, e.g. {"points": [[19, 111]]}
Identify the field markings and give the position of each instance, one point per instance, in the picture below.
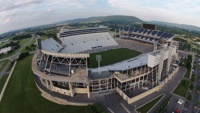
{"points": [[110, 110], [125, 108]]}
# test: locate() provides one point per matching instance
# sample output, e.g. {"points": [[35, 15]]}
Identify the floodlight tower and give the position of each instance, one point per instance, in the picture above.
{"points": [[99, 58], [155, 46]]}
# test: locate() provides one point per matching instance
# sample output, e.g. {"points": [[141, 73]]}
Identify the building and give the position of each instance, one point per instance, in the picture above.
{"points": [[62, 66], [5, 50]]}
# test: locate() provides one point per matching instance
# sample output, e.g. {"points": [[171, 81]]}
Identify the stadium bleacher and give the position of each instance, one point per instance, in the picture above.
{"points": [[51, 45], [145, 35], [78, 43]]}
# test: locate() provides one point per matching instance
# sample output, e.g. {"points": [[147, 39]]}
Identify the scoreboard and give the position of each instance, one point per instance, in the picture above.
{"points": [[149, 26]]}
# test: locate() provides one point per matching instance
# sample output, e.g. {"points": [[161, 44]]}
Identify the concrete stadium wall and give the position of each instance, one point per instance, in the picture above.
{"points": [[62, 91], [138, 97], [121, 93], [59, 100], [157, 88], [81, 90]]}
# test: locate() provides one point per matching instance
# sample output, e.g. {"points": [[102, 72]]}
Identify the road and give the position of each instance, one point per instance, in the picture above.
{"points": [[3, 72], [13, 57], [19, 50], [169, 87], [188, 107], [187, 52], [192, 103]]}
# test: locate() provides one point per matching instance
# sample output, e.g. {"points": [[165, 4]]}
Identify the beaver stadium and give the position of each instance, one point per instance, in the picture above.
{"points": [[91, 62]]}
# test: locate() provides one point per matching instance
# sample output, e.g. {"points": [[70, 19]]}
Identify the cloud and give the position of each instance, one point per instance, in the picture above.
{"points": [[7, 5], [16, 14], [179, 11], [24, 13]]}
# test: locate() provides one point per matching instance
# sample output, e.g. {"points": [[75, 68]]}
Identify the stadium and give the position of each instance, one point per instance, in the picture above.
{"points": [[91, 62]]}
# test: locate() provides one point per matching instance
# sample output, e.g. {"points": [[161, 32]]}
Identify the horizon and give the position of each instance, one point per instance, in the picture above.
{"points": [[18, 14]]}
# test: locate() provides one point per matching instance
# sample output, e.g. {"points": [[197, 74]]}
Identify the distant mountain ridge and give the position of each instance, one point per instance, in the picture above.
{"points": [[116, 18], [108, 18], [183, 26], [133, 19]]}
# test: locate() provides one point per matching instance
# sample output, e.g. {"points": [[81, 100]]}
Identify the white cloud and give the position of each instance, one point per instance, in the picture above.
{"points": [[24, 13], [16, 14], [178, 11], [14, 4]]}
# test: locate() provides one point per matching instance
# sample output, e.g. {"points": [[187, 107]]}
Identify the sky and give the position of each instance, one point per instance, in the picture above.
{"points": [[17, 14]]}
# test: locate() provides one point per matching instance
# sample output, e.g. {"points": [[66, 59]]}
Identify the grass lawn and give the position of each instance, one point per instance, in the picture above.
{"points": [[2, 81], [23, 41], [145, 108], [7, 42], [22, 95], [43, 37], [112, 56], [4, 63], [182, 88], [187, 75], [9, 68]]}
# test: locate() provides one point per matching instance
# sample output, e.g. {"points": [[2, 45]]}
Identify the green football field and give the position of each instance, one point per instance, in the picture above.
{"points": [[22, 95], [112, 56]]}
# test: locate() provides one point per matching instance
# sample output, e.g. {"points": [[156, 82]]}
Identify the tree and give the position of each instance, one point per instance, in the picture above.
{"points": [[28, 48]]}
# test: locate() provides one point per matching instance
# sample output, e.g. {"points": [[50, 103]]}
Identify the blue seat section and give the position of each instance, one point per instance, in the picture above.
{"points": [[125, 34], [160, 33], [143, 37], [167, 36], [133, 35], [164, 34], [126, 28], [154, 32], [136, 29], [151, 39], [131, 29], [149, 31], [171, 35], [145, 31], [141, 30], [148, 38], [137, 36], [147, 34]]}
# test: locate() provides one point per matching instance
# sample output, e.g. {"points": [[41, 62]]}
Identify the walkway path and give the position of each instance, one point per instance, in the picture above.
{"points": [[167, 89], [3, 72], [5, 85], [13, 57]]}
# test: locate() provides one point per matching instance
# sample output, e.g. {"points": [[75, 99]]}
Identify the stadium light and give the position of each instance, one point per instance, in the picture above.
{"points": [[99, 58]]}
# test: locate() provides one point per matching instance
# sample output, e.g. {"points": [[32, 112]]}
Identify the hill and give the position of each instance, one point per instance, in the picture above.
{"points": [[108, 18], [183, 26]]}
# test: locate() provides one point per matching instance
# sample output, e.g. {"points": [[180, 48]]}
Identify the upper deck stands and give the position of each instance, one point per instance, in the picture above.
{"points": [[75, 41], [146, 35], [160, 33], [145, 31], [154, 32], [149, 32], [67, 32], [51, 45], [141, 30], [78, 43]]}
